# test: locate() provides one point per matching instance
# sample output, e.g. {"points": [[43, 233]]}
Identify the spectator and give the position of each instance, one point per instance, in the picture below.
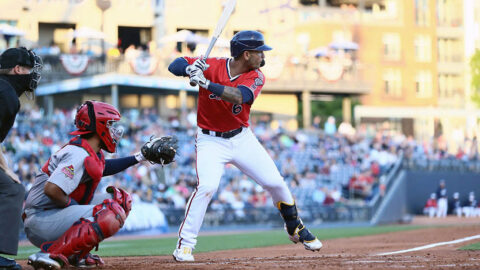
{"points": [[330, 128], [289, 167]]}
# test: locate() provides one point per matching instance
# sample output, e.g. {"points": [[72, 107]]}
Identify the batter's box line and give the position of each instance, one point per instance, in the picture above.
{"points": [[430, 245]]}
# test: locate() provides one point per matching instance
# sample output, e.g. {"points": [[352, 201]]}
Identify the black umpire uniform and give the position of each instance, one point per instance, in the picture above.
{"points": [[12, 193]]}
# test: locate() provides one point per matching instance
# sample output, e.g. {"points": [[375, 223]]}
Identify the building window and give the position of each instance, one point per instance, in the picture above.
{"points": [[450, 50], [309, 2], [449, 13], [391, 46], [392, 81], [423, 48], [339, 35], [448, 85], [422, 15], [423, 84]]}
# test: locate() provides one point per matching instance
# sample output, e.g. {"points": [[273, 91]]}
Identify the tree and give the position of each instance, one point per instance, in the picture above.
{"points": [[475, 69]]}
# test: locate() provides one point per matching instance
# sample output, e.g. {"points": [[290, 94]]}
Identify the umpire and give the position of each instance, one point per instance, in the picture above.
{"points": [[19, 73]]}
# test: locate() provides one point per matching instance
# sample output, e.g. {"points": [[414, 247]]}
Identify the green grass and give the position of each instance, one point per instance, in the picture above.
{"points": [[475, 246], [165, 246]]}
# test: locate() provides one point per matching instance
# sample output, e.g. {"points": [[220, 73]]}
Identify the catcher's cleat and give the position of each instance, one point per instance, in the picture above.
{"points": [[42, 260], [183, 254], [89, 261]]}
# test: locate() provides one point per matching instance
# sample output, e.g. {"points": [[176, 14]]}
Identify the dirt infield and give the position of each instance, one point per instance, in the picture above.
{"points": [[347, 253]]}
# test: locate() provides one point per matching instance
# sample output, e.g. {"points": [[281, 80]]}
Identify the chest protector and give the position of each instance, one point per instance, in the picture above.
{"points": [[94, 165]]}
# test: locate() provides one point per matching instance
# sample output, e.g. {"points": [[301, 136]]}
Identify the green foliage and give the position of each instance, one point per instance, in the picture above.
{"points": [[324, 109], [165, 246], [475, 69]]}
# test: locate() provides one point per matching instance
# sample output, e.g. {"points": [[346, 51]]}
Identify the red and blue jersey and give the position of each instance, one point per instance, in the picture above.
{"points": [[219, 115]]}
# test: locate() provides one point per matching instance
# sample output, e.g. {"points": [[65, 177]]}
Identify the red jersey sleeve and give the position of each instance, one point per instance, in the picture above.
{"points": [[254, 80], [190, 60]]}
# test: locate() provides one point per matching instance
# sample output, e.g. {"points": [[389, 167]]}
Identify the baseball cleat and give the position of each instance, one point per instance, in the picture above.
{"points": [[42, 260], [314, 245], [303, 235], [89, 261], [183, 254]]}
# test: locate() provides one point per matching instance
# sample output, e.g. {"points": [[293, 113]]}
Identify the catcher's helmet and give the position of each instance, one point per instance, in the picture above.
{"points": [[247, 41], [99, 117]]}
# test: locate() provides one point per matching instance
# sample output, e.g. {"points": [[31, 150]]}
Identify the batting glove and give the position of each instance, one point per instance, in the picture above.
{"points": [[201, 64], [198, 64], [189, 70], [197, 77]]}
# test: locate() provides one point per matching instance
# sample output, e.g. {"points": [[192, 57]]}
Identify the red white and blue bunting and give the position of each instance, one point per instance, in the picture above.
{"points": [[144, 65], [74, 64]]}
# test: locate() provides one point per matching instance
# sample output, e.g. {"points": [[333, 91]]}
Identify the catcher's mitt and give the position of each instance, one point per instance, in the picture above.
{"points": [[160, 150]]}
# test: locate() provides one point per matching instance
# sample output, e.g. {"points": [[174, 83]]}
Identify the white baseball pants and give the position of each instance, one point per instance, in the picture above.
{"points": [[243, 151]]}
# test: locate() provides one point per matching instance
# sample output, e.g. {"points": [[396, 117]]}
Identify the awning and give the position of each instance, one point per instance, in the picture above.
{"points": [[343, 45]]}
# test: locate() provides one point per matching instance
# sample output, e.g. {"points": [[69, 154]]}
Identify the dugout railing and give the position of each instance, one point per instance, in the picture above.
{"points": [[445, 164], [374, 204], [270, 217]]}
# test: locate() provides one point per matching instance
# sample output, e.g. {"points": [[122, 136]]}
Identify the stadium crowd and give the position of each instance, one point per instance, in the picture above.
{"points": [[323, 166]]}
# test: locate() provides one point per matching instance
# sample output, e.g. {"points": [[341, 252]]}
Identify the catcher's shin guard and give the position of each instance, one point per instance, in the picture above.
{"points": [[121, 197], [297, 232], [84, 235]]}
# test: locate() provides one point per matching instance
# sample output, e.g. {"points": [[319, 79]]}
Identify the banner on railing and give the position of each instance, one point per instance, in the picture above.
{"points": [[74, 64], [144, 65], [330, 71]]}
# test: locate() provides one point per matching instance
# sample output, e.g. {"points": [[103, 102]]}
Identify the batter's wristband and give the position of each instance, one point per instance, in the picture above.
{"points": [[216, 88], [71, 202]]}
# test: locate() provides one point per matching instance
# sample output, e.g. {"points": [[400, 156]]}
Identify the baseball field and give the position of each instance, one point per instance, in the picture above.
{"points": [[451, 243]]}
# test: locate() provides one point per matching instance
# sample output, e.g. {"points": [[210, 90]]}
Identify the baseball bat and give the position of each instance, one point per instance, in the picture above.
{"points": [[227, 11]]}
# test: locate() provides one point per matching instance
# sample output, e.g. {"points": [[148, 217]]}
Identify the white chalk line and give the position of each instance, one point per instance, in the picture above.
{"points": [[431, 245]]}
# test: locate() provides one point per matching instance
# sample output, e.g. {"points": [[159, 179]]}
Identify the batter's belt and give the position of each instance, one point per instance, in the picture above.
{"points": [[225, 135]]}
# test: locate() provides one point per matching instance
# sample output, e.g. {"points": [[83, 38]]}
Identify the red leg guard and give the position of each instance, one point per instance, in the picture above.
{"points": [[122, 197], [84, 235]]}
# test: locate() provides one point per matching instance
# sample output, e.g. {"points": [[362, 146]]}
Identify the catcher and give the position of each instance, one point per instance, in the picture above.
{"points": [[63, 216]]}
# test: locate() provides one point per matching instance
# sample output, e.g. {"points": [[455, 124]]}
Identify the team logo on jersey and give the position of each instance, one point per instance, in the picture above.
{"points": [[237, 108], [256, 83], [69, 171], [213, 96]]}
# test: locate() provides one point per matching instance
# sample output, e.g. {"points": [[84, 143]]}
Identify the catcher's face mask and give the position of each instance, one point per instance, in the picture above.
{"points": [[116, 130]]}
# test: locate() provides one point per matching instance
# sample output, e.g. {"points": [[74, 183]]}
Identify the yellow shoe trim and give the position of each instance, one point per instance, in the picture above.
{"points": [[311, 240], [279, 203]]}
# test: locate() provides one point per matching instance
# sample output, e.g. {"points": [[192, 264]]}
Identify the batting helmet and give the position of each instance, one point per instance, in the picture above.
{"points": [[247, 41], [100, 118]]}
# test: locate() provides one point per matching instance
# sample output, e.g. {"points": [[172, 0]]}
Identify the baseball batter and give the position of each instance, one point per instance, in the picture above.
{"points": [[228, 88], [63, 215]]}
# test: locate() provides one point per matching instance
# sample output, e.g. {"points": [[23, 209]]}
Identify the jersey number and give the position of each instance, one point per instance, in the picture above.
{"points": [[236, 108]]}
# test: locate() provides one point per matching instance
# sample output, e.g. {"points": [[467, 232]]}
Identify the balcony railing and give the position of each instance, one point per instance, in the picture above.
{"points": [[339, 74]]}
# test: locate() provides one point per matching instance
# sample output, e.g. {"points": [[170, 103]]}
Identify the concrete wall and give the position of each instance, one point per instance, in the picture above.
{"points": [[394, 205]]}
